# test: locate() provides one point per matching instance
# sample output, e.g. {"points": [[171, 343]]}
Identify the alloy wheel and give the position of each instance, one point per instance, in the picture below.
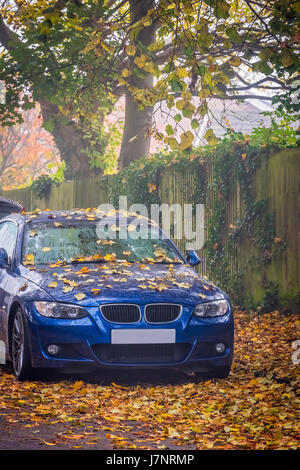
{"points": [[18, 343]]}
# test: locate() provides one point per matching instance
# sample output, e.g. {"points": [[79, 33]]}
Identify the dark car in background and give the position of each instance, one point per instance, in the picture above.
{"points": [[7, 207]]}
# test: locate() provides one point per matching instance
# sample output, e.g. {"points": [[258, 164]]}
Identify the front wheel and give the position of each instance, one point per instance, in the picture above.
{"points": [[20, 348]]}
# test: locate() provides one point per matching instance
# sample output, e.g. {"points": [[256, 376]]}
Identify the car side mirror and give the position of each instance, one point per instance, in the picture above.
{"points": [[3, 258], [192, 258]]}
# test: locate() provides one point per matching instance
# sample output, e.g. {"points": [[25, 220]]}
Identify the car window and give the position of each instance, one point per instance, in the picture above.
{"points": [[8, 237], [46, 244]]}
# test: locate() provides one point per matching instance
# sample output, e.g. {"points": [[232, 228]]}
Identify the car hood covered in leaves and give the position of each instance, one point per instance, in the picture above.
{"points": [[92, 284]]}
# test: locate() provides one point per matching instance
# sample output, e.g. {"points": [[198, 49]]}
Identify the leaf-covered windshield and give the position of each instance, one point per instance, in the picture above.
{"points": [[47, 243]]}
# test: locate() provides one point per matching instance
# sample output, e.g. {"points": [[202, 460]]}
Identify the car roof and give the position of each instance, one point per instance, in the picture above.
{"points": [[8, 206], [90, 214]]}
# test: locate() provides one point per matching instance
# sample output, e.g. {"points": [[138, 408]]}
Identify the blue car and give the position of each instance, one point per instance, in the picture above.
{"points": [[72, 301]]}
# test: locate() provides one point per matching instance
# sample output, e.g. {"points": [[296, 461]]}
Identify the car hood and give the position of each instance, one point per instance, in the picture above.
{"points": [[92, 284]]}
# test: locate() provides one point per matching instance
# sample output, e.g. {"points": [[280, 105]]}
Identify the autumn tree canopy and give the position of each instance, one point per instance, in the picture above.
{"points": [[77, 58], [26, 151]]}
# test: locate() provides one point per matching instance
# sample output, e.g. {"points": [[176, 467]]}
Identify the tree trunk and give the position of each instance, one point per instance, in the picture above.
{"points": [[70, 143], [136, 135]]}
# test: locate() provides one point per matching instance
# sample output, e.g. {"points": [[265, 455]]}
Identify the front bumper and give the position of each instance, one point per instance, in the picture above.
{"points": [[86, 343]]}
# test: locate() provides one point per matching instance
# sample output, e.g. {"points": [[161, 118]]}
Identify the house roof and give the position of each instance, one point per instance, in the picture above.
{"points": [[223, 114], [240, 116]]}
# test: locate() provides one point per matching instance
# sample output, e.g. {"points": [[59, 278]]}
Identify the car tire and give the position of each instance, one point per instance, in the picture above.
{"points": [[20, 348]]}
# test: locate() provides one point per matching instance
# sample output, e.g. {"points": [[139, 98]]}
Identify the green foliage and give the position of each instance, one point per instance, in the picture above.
{"points": [[42, 185], [280, 132], [140, 180], [270, 301]]}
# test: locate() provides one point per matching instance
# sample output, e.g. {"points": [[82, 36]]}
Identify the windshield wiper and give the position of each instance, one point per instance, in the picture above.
{"points": [[90, 261], [168, 262]]}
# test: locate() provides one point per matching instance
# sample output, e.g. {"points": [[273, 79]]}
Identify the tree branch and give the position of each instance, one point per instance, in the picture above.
{"points": [[259, 82], [6, 35], [243, 97], [229, 97]]}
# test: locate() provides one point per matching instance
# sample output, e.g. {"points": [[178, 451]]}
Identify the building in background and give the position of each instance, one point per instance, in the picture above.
{"points": [[223, 114]]}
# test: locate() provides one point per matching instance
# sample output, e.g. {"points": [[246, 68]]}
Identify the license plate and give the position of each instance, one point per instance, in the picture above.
{"points": [[138, 336]]}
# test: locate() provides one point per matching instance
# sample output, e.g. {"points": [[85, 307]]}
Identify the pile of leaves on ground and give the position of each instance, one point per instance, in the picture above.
{"points": [[254, 408]]}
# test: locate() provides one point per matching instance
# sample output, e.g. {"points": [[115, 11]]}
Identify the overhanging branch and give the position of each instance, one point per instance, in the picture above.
{"points": [[6, 35]]}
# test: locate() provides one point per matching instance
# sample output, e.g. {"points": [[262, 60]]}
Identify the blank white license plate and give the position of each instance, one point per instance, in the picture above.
{"points": [[143, 336]]}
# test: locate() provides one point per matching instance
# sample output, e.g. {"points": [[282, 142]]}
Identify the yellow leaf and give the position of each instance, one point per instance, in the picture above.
{"points": [[150, 67], [110, 257], [95, 291], [67, 289], [202, 296], [180, 104], [171, 141], [130, 50], [151, 187], [181, 72], [210, 137], [140, 61], [80, 296], [125, 73], [105, 242], [23, 287], [29, 259], [46, 248], [52, 284], [173, 433], [71, 283], [162, 287], [143, 266], [117, 438], [126, 253], [77, 385], [187, 139]]}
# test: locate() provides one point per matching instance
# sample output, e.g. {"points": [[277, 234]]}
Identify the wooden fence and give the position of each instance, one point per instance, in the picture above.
{"points": [[277, 180]]}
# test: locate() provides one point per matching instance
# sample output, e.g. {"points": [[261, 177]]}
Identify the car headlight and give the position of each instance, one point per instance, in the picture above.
{"points": [[60, 310], [211, 309]]}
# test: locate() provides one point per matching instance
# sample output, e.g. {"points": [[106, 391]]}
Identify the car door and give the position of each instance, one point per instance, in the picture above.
{"points": [[8, 239]]}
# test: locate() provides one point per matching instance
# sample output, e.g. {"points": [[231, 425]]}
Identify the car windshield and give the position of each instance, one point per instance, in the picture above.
{"points": [[48, 243]]}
